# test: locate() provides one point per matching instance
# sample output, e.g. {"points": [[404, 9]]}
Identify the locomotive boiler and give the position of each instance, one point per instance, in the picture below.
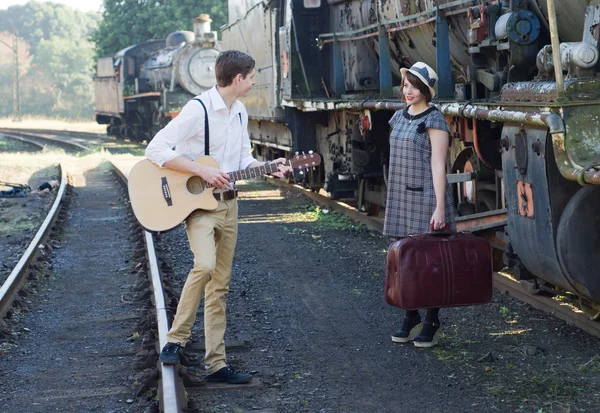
{"points": [[142, 87], [519, 88]]}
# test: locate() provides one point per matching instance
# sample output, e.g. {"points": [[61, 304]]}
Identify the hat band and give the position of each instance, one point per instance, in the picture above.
{"points": [[425, 73]]}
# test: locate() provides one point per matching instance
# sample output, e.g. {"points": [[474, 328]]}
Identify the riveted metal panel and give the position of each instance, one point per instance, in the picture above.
{"points": [[536, 197], [251, 29]]}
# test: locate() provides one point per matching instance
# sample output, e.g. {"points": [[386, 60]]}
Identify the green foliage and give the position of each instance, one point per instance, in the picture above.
{"points": [[56, 79], [128, 22], [41, 21]]}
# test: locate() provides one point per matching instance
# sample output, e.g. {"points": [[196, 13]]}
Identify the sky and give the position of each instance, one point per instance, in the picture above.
{"points": [[83, 5]]}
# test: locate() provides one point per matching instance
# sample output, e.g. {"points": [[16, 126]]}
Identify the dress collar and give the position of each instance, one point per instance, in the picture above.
{"points": [[420, 115]]}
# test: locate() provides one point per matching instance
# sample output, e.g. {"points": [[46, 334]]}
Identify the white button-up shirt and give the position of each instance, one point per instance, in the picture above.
{"points": [[228, 137]]}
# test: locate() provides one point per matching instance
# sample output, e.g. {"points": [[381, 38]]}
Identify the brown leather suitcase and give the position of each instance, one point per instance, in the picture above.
{"points": [[438, 270]]}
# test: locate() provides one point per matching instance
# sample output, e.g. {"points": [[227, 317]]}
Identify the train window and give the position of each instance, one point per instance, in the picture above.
{"points": [[130, 66], [312, 4]]}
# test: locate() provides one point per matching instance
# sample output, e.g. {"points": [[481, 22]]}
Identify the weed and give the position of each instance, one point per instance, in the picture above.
{"points": [[591, 366], [326, 218], [505, 312]]}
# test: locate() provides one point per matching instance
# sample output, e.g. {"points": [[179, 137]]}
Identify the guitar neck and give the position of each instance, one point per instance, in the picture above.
{"points": [[252, 172]]}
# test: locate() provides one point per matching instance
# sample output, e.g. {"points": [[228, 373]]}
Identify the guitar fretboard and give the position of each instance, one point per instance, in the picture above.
{"points": [[253, 172]]}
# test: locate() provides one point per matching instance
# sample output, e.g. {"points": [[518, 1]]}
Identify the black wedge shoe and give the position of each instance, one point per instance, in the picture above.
{"points": [[429, 335], [409, 330]]}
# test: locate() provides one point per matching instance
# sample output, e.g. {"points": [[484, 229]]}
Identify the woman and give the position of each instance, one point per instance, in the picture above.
{"points": [[418, 196]]}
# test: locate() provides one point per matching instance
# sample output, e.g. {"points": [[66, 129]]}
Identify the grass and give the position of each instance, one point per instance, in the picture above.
{"points": [[325, 218], [31, 122], [12, 145]]}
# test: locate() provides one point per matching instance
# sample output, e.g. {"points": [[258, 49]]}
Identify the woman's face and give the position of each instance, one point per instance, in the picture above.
{"points": [[411, 93]]}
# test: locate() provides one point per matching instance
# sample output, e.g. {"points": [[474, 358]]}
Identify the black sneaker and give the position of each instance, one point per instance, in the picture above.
{"points": [[227, 375], [170, 353]]}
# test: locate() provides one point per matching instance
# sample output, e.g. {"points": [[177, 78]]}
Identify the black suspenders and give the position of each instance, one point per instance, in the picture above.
{"points": [[206, 131]]}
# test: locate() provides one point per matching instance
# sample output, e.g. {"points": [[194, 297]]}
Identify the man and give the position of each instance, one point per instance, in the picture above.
{"points": [[212, 235]]}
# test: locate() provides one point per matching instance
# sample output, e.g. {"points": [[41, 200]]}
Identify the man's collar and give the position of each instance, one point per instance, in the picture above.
{"points": [[215, 97]]}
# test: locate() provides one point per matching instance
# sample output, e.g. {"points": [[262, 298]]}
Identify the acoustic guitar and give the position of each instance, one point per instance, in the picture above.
{"points": [[162, 198]]}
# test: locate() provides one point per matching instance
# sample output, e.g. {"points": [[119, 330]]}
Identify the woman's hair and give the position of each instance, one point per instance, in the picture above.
{"points": [[231, 63], [416, 82]]}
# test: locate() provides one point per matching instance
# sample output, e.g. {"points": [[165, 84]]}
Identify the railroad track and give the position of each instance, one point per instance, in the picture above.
{"points": [[171, 390], [170, 385], [78, 344], [43, 141]]}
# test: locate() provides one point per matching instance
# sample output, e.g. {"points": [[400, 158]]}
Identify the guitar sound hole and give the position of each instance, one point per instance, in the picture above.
{"points": [[195, 185]]}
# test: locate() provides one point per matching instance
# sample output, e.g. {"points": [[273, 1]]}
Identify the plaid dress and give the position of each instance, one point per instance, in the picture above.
{"points": [[410, 194]]}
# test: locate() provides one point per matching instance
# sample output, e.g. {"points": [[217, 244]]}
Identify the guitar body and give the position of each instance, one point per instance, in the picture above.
{"points": [[162, 198]]}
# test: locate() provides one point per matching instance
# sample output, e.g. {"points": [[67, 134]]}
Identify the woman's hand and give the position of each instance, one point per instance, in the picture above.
{"points": [[438, 219]]}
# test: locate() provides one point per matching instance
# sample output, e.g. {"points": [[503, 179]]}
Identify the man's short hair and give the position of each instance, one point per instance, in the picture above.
{"points": [[231, 63]]}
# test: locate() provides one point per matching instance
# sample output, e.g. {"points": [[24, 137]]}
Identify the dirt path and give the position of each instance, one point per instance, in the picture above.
{"points": [[307, 298], [71, 352]]}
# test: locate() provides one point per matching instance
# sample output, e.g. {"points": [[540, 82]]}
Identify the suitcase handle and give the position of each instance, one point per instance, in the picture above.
{"points": [[443, 231]]}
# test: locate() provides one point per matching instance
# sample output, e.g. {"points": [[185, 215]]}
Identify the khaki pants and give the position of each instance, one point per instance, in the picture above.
{"points": [[212, 236]]}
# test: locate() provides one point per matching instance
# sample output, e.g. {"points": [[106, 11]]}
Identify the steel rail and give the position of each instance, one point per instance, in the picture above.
{"points": [[171, 387], [17, 277], [561, 310], [53, 141], [55, 132], [21, 139]]}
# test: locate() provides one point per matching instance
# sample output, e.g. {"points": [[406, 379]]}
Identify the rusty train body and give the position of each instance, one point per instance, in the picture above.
{"points": [[519, 88]]}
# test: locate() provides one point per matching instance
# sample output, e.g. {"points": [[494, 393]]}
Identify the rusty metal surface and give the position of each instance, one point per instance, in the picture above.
{"points": [[541, 302], [525, 203], [539, 92], [107, 96], [481, 222], [570, 16], [251, 29]]}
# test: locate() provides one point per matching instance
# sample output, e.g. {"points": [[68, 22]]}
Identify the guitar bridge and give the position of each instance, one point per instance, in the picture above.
{"points": [[166, 191]]}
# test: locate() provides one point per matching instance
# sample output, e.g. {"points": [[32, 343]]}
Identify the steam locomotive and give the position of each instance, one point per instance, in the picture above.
{"points": [[518, 85], [142, 87]]}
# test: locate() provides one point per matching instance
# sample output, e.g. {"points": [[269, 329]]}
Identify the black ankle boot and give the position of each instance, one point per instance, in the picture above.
{"points": [[410, 328], [429, 335]]}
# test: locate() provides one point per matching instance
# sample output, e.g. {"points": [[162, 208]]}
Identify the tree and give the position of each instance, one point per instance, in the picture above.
{"points": [[67, 74], [57, 79], [7, 70], [41, 21], [128, 22]]}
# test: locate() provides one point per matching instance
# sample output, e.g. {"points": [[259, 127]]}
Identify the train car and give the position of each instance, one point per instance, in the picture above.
{"points": [[519, 88], [142, 87]]}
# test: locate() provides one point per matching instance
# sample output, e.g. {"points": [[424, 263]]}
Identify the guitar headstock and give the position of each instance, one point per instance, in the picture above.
{"points": [[305, 160]]}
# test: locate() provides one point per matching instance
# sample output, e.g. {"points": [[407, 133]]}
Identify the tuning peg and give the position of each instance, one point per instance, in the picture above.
{"points": [[310, 152], [297, 153], [301, 172]]}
